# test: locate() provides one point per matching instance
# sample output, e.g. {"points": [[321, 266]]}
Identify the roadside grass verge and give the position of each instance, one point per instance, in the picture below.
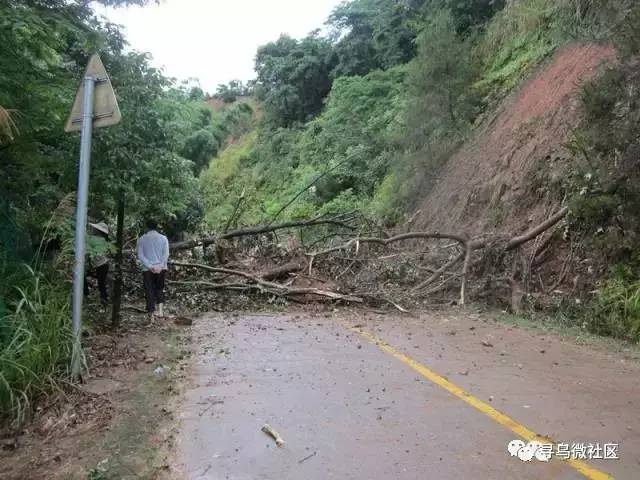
{"points": [[564, 327], [35, 343]]}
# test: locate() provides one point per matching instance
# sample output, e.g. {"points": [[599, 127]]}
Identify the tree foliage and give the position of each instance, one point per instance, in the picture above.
{"points": [[469, 13], [167, 134], [294, 77], [229, 92], [441, 81], [374, 34]]}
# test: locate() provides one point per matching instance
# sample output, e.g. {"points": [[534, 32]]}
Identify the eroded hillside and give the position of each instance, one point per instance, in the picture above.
{"points": [[495, 181]]}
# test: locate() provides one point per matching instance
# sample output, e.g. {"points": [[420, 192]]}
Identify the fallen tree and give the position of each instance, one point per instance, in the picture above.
{"points": [[468, 247], [445, 274], [257, 283]]}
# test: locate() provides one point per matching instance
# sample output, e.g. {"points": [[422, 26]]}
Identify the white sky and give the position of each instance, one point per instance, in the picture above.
{"points": [[215, 40]]}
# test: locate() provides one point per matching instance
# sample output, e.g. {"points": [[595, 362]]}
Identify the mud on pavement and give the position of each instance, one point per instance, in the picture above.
{"points": [[346, 392]]}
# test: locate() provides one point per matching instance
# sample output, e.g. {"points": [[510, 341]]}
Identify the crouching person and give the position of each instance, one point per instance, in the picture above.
{"points": [[153, 254]]}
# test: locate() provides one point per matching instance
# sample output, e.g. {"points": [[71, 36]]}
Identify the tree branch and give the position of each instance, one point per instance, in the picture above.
{"points": [[340, 221]]}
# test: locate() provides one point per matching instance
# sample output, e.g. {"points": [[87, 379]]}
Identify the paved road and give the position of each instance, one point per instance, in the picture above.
{"points": [[398, 398]]}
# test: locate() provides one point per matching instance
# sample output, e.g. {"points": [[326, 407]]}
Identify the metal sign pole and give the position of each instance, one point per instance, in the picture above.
{"points": [[81, 223]]}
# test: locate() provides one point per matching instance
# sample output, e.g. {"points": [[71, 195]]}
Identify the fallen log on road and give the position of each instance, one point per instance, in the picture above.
{"points": [[459, 265], [262, 285]]}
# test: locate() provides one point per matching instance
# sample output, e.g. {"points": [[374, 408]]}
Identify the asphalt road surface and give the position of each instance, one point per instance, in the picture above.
{"points": [[367, 396]]}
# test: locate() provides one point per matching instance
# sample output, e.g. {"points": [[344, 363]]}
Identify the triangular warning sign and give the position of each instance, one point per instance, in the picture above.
{"points": [[105, 107]]}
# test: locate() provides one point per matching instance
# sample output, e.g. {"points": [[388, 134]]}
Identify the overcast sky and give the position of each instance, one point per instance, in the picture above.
{"points": [[215, 40]]}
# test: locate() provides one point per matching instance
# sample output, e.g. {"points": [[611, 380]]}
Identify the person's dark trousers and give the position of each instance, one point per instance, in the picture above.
{"points": [[153, 289], [100, 273]]}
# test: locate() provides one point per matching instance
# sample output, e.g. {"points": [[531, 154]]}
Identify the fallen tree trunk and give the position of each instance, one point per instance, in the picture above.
{"points": [[512, 244], [340, 221], [264, 285], [281, 271]]}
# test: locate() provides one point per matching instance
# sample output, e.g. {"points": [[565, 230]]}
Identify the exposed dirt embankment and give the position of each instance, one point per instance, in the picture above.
{"points": [[488, 184]]}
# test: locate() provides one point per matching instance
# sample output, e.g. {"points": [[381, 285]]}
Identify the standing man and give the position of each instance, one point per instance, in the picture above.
{"points": [[98, 262], [153, 253]]}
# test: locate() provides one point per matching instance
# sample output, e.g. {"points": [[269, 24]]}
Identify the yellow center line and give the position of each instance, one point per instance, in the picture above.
{"points": [[504, 420]]}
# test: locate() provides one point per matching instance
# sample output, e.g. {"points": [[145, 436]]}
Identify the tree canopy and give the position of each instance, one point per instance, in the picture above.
{"points": [[294, 77]]}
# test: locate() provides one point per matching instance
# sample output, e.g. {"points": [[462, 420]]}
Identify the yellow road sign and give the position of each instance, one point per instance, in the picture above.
{"points": [[105, 111]]}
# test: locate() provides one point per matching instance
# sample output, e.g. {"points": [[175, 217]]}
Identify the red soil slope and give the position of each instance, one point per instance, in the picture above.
{"points": [[484, 185]]}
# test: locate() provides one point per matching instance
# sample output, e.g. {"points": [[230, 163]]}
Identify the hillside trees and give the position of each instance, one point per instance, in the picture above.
{"points": [[373, 34], [229, 92], [294, 78], [372, 106], [441, 79], [470, 13]]}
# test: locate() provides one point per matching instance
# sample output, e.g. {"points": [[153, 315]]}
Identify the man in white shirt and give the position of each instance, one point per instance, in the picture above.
{"points": [[153, 254]]}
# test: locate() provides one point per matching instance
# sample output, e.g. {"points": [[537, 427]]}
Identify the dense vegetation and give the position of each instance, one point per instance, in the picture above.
{"points": [[373, 108], [152, 159], [358, 118]]}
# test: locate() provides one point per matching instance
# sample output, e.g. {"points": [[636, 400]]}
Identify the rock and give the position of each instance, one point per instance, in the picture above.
{"points": [[487, 343], [161, 372]]}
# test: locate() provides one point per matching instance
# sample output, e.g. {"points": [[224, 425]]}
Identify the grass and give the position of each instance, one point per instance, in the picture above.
{"points": [[35, 344], [616, 309]]}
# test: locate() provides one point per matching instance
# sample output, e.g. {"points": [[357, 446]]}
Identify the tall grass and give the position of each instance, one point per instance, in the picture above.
{"points": [[616, 310], [35, 342], [517, 39], [527, 31]]}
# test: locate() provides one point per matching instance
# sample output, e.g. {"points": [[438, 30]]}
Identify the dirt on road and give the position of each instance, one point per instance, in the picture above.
{"points": [[360, 396]]}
